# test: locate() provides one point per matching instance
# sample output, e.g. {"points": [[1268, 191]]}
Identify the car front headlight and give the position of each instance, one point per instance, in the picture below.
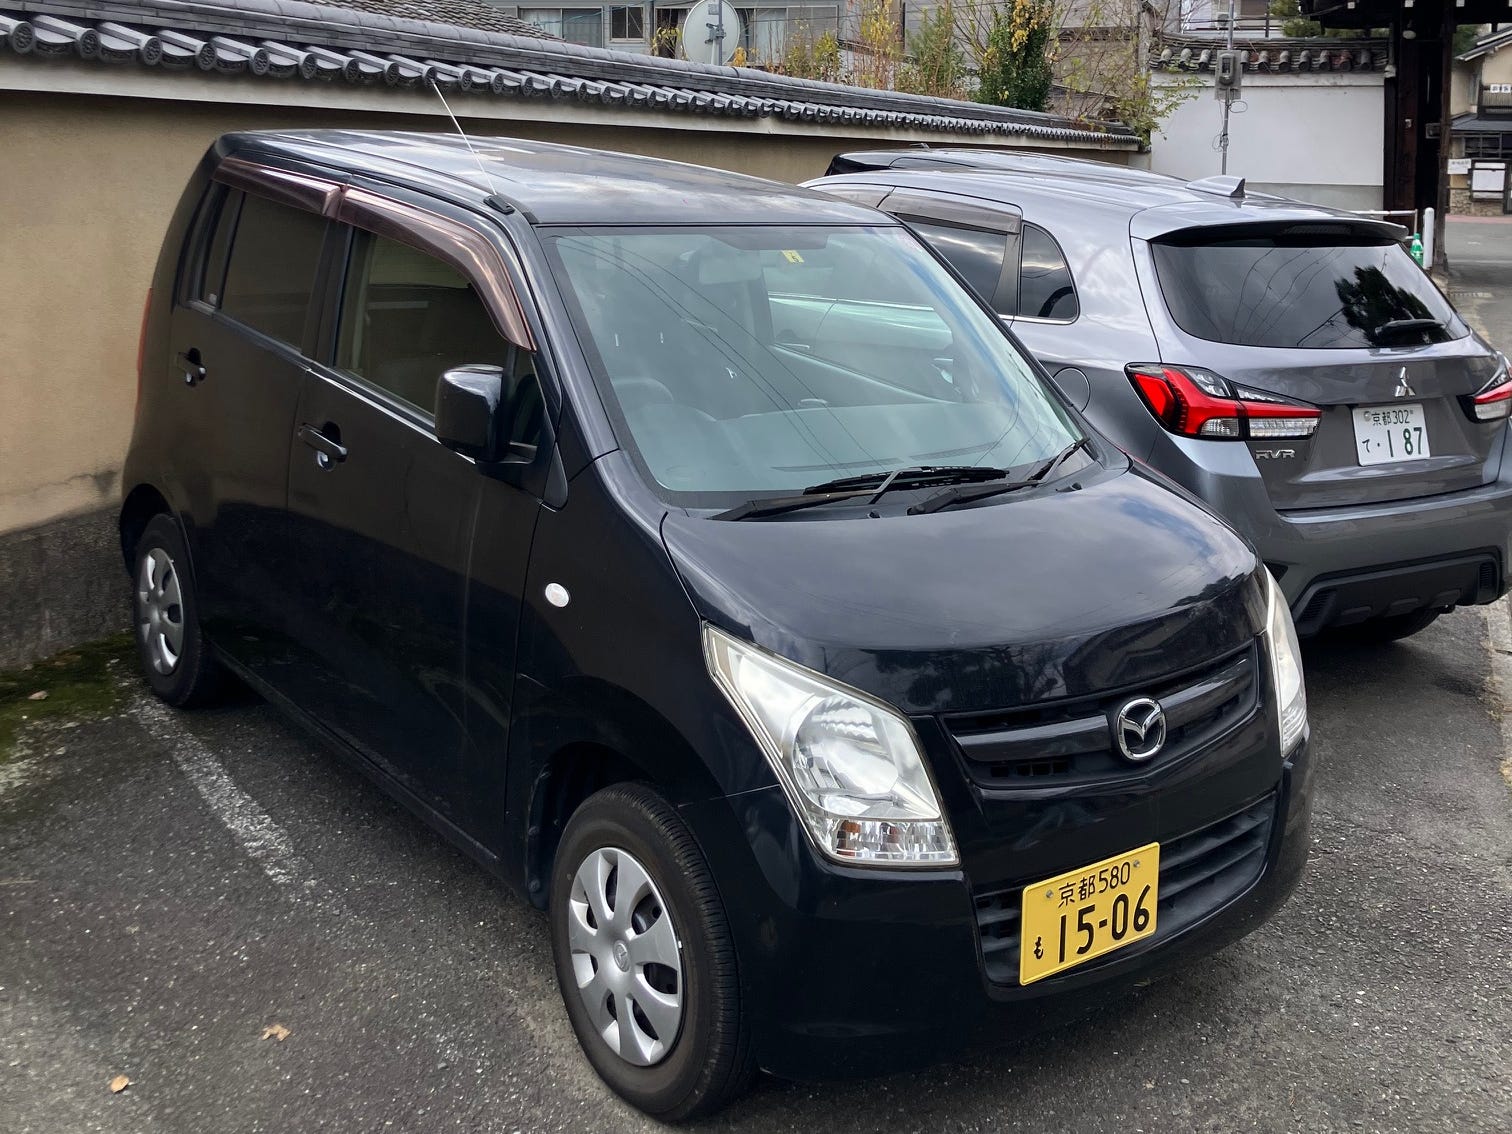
{"points": [[850, 765], [1286, 667]]}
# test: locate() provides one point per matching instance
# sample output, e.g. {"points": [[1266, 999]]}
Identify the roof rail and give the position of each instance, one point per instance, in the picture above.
{"points": [[1222, 186]]}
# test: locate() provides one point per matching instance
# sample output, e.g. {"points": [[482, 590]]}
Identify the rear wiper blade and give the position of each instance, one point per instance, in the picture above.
{"points": [[962, 493], [915, 474], [1400, 326]]}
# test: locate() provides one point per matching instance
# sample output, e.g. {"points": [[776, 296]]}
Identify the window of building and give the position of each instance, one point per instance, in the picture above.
{"points": [[406, 318], [271, 270], [1492, 147], [575, 25], [1045, 287], [627, 22]]}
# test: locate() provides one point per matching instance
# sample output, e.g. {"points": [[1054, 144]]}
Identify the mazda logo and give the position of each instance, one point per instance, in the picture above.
{"points": [[1139, 728]]}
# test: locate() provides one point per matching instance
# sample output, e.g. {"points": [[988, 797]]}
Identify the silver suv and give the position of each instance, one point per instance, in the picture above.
{"points": [[1289, 364]]}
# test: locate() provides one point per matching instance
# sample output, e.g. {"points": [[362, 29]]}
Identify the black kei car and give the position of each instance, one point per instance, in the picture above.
{"points": [[700, 555]]}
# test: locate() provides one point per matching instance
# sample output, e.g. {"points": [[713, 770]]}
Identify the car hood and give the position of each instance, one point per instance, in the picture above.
{"points": [[1054, 594]]}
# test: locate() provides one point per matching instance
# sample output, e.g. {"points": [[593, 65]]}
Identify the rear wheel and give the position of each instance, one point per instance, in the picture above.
{"points": [[1379, 631], [165, 619], [645, 958]]}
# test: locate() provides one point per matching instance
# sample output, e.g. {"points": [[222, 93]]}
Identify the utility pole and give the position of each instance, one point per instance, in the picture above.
{"points": [[1228, 97]]}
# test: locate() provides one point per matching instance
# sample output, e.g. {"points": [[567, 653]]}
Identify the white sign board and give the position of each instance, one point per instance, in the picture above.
{"points": [[1488, 180], [1499, 88], [1459, 165]]}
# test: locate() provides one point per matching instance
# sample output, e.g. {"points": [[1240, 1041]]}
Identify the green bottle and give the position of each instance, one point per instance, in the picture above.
{"points": [[1417, 249]]}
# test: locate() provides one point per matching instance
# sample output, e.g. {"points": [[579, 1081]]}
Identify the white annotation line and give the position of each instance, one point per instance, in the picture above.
{"points": [[264, 841]]}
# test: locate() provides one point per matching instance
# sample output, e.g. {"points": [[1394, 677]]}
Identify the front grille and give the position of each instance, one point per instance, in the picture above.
{"points": [[1199, 874], [1071, 742]]}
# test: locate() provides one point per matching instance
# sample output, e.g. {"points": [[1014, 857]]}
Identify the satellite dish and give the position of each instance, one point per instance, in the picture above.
{"points": [[712, 32]]}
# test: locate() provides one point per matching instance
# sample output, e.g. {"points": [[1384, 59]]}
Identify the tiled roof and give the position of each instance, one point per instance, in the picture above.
{"points": [[458, 13], [1278, 56], [1473, 123], [295, 41], [1487, 44]]}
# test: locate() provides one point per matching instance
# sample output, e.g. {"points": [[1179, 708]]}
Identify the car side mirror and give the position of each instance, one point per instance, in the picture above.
{"points": [[468, 415]]}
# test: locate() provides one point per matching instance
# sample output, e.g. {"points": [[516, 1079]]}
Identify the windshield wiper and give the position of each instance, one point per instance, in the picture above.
{"points": [[1403, 326], [776, 505], [962, 493], [872, 485], [913, 475]]}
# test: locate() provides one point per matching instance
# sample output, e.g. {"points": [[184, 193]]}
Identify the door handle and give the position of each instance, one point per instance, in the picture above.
{"points": [[328, 451], [194, 367]]}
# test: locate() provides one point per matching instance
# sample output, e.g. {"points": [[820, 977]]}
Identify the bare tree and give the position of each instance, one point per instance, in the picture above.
{"points": [[1102, 55]]}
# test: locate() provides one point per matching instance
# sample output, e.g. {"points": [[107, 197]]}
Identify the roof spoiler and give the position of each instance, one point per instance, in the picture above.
{"points": [[1220, 186]]}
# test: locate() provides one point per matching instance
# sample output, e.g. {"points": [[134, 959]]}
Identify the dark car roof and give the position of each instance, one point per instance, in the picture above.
{"points": [[557, 184], [1149, 204]]}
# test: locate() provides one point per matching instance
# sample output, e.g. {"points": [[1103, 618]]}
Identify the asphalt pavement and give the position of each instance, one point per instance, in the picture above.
{"points": [[175, 885]]}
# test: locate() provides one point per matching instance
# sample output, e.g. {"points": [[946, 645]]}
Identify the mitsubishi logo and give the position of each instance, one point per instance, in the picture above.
{"points": [[1403, 387], [1139, 729]]}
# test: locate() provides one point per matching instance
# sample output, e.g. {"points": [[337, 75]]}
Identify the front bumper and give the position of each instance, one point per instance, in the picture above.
{"points": [[860, 971]]}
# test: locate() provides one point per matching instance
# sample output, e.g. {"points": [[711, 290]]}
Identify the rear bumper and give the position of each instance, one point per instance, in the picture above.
{"points": [[1364, 561], [1400, 589]]}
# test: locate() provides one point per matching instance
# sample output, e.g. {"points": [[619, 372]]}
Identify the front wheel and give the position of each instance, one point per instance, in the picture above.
{"points": [[645, 958], [165, 618]]}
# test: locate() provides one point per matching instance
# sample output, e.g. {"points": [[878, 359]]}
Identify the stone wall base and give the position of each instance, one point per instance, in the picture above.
{"points": [[61, 583], [1464, 205]]}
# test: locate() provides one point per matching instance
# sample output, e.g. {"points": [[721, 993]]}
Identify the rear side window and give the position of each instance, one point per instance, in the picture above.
{"points": [[977, 255], [406, 318], [223, 207], [271, 270], [1285, 289], [1045, 287]]}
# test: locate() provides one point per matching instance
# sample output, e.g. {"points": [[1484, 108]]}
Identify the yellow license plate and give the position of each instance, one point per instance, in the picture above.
{"points": [[1084, 913]]}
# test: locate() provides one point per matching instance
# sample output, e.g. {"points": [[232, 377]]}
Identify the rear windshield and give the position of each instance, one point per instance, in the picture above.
{"points": [[1290, 290]]}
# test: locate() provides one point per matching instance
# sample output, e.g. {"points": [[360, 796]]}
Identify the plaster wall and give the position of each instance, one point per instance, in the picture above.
{"points": [[1317, 137], [90, 178]]}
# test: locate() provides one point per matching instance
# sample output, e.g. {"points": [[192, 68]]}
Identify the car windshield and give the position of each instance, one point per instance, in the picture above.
{"points": [[754, 361], [1290, 289]]}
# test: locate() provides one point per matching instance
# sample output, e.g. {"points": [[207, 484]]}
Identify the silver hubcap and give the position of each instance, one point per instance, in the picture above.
{"points": [[625, 956], [160, 610]]}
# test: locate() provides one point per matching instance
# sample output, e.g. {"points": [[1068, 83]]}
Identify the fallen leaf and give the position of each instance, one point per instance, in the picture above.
{"points": [[119, 1084], [276, 1031], [39, 695]]}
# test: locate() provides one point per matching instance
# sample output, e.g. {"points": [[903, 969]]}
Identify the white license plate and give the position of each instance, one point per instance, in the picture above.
{"points": [[1391, 433]]}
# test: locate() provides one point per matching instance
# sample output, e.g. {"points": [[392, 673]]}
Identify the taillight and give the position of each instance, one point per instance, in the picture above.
{"points": [[1495, 401], [142, 344], [1198, 403]]}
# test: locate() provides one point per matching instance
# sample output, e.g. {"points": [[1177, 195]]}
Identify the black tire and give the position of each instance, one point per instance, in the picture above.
{"points": [[1380, 631], [710, 1061], [194, 677]]}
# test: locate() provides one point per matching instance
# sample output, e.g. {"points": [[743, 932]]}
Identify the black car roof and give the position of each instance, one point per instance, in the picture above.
{"points": [[556, 184]]}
